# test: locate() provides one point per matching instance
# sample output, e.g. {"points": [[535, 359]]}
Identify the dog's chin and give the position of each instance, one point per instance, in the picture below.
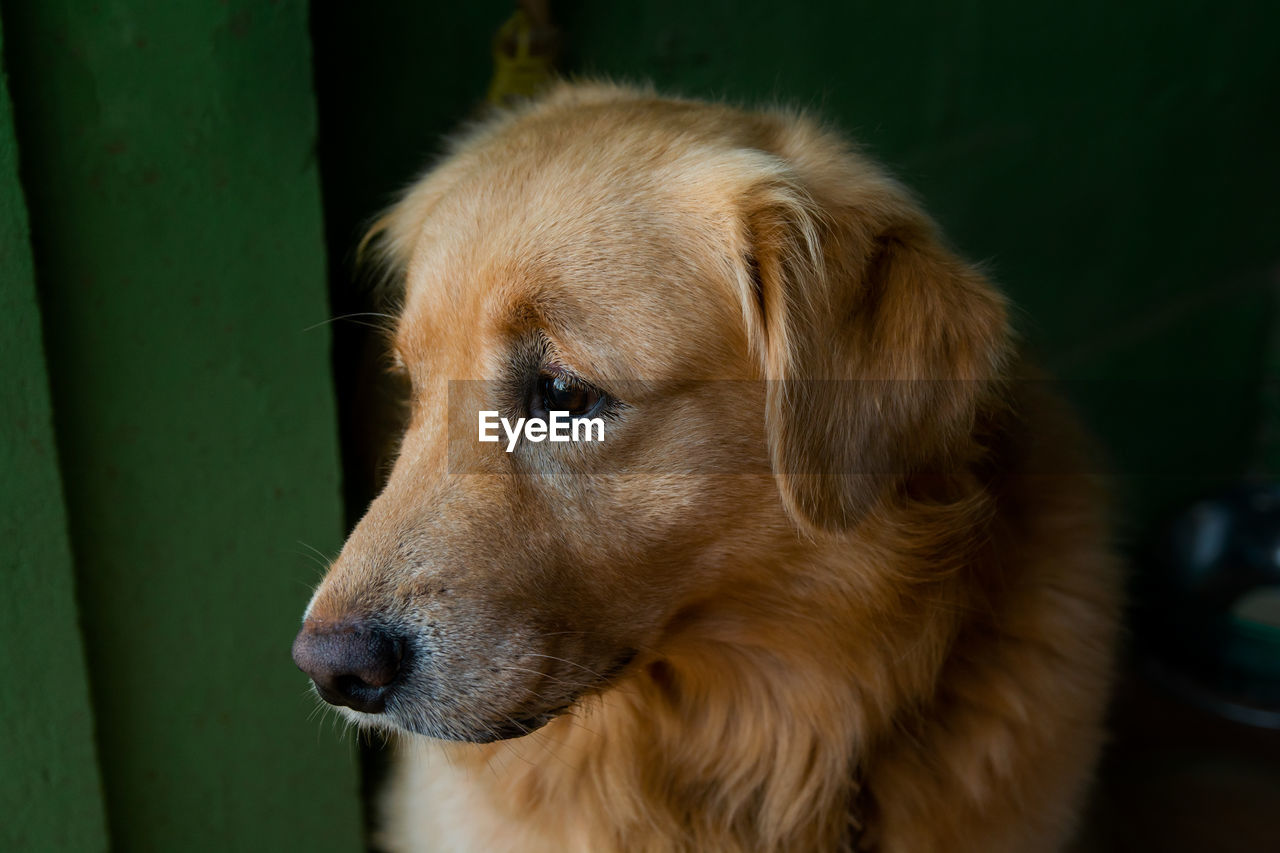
{"points": [[506, 730], [399, 722]]}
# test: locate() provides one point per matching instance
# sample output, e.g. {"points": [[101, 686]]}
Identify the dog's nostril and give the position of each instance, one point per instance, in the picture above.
{"points": [[356, 687], [349, 685], [351, 664]]}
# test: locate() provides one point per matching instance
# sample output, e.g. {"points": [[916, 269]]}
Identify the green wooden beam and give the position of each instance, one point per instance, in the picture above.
{"points": [[168, 157], [50, 796]]}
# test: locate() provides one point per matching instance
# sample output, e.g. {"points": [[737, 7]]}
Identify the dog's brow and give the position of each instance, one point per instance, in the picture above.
{"points": [[540, 312], [532, 311]]}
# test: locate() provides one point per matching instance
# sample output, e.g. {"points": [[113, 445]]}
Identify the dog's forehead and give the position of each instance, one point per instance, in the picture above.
{"points": [[629, 266]]}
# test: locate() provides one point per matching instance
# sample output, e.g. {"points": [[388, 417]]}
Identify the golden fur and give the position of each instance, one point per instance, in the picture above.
{"points": [[836, 579]]}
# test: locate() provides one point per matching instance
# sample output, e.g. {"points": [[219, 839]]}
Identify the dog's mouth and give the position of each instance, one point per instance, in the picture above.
{"points": [[407, 712], [514, 727]]}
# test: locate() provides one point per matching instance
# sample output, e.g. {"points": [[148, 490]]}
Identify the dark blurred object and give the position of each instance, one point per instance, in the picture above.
{"points": [[1208, 615], [524, 54]]}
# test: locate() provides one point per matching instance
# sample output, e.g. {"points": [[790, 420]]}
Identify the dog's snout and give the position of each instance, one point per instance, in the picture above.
{"points": [[351, 664]]}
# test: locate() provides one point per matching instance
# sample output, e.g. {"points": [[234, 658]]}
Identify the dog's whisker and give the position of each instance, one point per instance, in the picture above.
{"points": [[322, 559], [586, 669], [576, 685], [355, 317], [321, 565]]}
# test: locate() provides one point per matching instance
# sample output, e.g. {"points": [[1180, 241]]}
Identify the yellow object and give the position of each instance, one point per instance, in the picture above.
{"points": [[518, 74]]}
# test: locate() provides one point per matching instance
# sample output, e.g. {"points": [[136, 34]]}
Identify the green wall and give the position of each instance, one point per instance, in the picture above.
{"points": [[50, 795], [168, 157]]}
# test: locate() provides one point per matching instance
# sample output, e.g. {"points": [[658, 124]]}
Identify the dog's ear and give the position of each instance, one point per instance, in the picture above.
{"points": [[384, 253], [879, 346], [386, 250]]}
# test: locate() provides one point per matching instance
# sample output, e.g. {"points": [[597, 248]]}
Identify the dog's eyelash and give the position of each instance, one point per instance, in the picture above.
{"points": [[584, 399], [549, 364], [559, 372]]}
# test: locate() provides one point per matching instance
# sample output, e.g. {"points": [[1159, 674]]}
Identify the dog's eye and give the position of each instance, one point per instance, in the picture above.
{"points": [[561, 393]]}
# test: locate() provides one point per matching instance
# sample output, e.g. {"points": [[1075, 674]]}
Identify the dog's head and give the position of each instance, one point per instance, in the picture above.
{"points": [[765, 324]]}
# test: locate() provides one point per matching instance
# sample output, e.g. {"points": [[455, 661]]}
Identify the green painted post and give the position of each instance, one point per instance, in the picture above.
{"points": [[168, 158], [50, 796]]}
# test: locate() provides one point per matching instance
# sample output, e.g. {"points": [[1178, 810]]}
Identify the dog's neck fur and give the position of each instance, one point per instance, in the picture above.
{"points": [[790, 711]]}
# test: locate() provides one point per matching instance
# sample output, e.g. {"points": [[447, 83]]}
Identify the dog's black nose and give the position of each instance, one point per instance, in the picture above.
{"points": [[351, 664]]}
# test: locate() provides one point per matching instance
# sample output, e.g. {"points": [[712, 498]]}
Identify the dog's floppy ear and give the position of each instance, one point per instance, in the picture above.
{"points": [[879, 345]]}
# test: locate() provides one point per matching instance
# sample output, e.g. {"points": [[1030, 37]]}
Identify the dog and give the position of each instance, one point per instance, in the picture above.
{"points": [[837, 577]]}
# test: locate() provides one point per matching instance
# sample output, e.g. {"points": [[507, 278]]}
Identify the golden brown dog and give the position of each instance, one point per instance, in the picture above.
{"points": [[835, 578]]}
